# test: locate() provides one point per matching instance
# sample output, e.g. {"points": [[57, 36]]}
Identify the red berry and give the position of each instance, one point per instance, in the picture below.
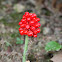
{"points": [[23, 17], [27, 23], [28, 19], [22, 32], [37, 25], [27, 14], [34, 19], [30, 14], [38, 30], [37, 19], [27, 26], [22, 26], [35, 35], [32, 28], [34, 15], [20, 29], [23, 20], [31, 23], [30, 33], [20, 23], [35, 32], [25, 32]]}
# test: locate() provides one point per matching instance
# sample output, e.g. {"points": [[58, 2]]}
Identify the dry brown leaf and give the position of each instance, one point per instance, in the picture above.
{"points": [[57, 57], [14, 52]]}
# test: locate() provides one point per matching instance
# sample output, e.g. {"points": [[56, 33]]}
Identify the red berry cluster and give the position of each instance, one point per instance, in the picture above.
{"points": [[29, 24]]}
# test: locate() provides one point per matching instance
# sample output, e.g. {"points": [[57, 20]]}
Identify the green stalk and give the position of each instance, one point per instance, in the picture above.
{"points": [[25, 49]]}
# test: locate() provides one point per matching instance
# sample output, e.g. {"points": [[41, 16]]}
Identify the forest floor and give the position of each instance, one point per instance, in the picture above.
{"points": [[11, 13]]}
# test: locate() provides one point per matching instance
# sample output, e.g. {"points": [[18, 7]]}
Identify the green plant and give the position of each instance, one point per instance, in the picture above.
{"points": [[29, 26], [52, 46], [19, 41]]}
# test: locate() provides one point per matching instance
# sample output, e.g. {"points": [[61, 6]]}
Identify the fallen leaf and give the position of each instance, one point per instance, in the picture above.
{"points": [[57, 57]]}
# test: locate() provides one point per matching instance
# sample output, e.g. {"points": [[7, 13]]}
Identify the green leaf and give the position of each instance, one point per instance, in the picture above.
{"points": [[19, 41], [8, 44], [52, 46]]}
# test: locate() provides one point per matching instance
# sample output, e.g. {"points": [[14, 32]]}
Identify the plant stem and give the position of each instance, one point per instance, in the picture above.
{"points": [[25, 49], [24, 38]]}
